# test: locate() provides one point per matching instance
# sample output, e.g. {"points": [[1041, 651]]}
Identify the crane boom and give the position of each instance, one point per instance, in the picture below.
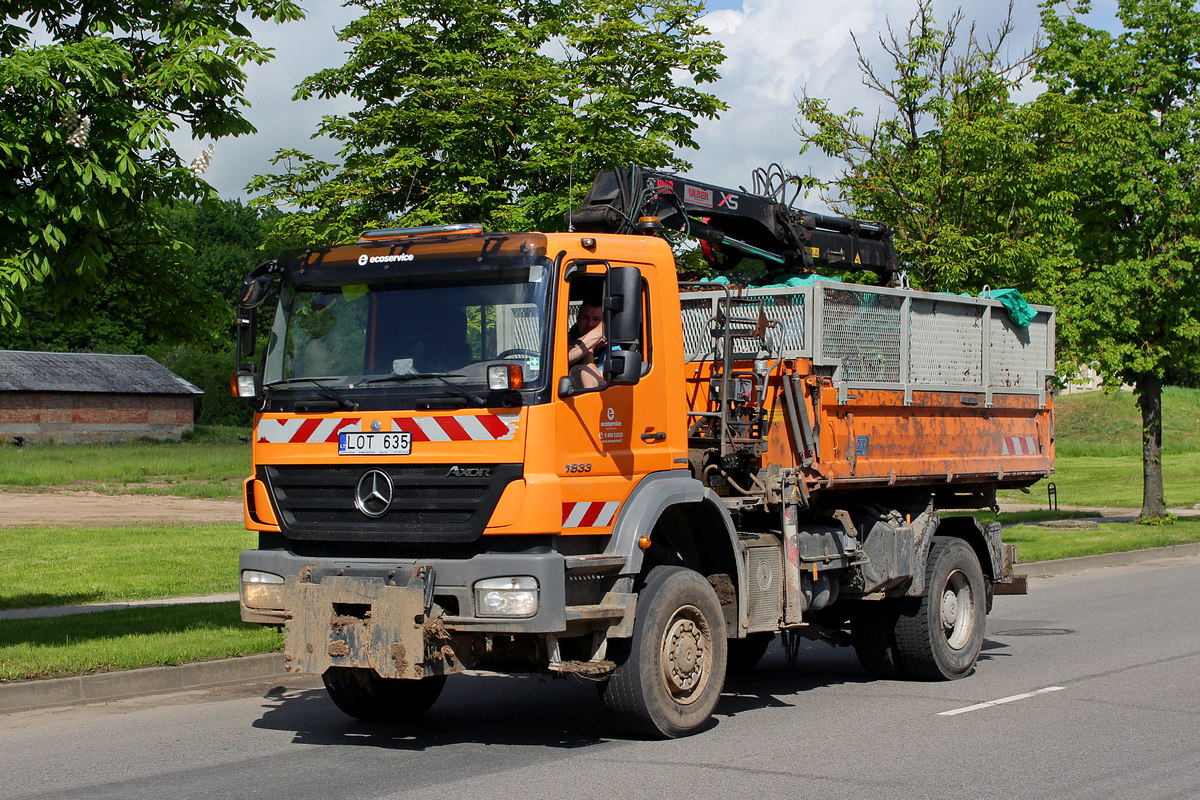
{"points": [[737, 223]]}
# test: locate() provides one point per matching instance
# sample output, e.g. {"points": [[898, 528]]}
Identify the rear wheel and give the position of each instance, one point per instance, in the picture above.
{"points": [[670, 673], [364, 695], [940, 635]]}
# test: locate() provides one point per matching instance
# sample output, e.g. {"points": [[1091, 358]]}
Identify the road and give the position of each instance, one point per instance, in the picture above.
{"points": [[1099, 674]]}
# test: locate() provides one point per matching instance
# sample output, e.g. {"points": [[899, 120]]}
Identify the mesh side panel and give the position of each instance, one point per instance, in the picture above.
{"points": [[788, 310], [697, 312], [862, 329], [1017, 354], [947, 343]]}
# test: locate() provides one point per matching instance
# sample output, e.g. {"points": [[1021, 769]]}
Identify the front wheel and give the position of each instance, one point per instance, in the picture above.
{"points": [[364, 695], [940, 635], [670, 673]]}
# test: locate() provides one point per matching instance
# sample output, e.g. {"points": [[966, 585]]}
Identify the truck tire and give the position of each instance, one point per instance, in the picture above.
{"points": [[364, 695], [873, 635], [670, 672], [939, 635], [745, 653]]}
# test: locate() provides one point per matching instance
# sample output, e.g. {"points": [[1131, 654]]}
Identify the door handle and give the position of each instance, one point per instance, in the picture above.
{"points": [[658, 436]]}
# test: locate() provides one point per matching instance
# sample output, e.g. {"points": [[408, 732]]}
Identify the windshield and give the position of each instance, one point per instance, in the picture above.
{"points": [[415, 332]]}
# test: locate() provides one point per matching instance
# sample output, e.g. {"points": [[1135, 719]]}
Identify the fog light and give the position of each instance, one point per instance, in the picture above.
{"points": [[262, 589], [506, 597]]}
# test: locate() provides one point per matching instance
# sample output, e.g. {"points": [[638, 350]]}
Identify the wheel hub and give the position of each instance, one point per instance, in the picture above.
{"points": [[685, 657], [958, 610]]}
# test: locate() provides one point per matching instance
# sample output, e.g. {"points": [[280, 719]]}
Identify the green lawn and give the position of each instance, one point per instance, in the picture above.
{"points": [[211, 469], [1109, 424], [1040, 544], [1115, 481], [47, 566], [115, 640]]}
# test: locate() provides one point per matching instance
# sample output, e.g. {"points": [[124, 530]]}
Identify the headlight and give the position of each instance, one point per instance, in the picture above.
{"points": [[262, 589], [506, 597]]}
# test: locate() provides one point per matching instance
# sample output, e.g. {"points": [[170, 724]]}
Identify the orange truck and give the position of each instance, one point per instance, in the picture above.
{"points": [[439, 488]]}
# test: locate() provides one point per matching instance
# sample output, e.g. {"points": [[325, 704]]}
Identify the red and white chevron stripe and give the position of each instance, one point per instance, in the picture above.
{"points": [[1019, 446], [589, 514], [459, 428], [304, 431]]}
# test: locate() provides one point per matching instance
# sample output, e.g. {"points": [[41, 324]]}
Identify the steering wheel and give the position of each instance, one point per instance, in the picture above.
{"points": [[519, 352]]}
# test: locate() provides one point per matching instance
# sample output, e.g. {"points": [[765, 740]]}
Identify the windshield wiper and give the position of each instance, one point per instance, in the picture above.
{"points": [[453, 388], [410, 376], [327, 392]]}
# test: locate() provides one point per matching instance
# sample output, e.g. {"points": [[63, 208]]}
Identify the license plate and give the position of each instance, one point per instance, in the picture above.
{"points": [[375, 444]]}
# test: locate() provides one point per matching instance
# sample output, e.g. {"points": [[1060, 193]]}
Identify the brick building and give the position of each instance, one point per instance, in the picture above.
{"points": [[76, 397]]}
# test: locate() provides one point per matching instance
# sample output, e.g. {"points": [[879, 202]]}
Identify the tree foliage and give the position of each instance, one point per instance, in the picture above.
{"points": [[1133, 301], [975, 184], [218, 244], [88, 94], [488, 110]]}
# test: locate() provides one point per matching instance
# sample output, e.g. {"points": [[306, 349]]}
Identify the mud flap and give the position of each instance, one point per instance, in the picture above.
{"points": [[1011, 583], [362, 622]]}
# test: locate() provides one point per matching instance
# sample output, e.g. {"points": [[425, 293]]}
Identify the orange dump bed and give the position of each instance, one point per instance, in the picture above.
{"points": [[869, 386]]}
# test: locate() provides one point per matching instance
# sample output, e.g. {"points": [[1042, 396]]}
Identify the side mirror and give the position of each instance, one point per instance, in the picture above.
{"points": [[253, 292], [623, 367], [623, 302], [623, 311]]}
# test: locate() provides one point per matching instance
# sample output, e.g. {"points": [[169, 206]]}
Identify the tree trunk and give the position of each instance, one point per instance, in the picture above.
{"points": [[1149, 389]]}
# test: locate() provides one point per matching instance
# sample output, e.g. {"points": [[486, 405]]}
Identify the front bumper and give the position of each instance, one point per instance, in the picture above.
{"points": [[396, 615]]}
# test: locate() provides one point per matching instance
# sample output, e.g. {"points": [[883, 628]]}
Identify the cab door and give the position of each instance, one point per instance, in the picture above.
{"points": [[610, 437]]}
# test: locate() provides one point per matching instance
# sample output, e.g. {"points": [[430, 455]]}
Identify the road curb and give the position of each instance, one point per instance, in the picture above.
{"points": [[108, 686]]}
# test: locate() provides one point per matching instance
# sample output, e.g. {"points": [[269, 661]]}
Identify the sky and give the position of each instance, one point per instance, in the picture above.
{"points": [[773, 48]]}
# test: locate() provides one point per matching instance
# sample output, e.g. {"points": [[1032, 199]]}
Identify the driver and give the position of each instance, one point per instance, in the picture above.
{"points": [[586, 345]]}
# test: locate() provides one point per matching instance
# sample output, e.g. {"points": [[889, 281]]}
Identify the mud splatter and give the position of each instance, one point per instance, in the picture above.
{"points": [[399, 657]]}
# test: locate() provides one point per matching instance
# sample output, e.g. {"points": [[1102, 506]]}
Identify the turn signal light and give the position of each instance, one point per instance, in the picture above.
{"points": [[505, 376]]}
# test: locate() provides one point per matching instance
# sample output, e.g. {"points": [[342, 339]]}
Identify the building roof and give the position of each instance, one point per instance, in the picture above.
{"points": [[22, 371]]}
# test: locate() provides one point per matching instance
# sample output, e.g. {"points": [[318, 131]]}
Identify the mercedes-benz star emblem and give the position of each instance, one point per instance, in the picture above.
{"points": [[373, 494]]}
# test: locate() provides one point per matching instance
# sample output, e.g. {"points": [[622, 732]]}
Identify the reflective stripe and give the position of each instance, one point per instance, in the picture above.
{"points": [[597, 514]]}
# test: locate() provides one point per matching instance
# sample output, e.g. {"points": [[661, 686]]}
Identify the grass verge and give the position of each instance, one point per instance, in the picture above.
{"points": [[69, 566], [117, 640]]}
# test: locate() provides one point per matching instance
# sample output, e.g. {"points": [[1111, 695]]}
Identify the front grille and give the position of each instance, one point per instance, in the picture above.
{"points": [[317, 503]]}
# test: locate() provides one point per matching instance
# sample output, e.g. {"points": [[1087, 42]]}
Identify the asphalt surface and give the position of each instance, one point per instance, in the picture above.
{"points": [[1086, 689]]}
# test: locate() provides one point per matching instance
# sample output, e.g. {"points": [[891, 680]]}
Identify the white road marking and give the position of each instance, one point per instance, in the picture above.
{"points": [[1014, 698]]}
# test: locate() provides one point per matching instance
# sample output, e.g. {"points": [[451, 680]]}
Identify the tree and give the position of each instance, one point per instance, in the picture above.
{"points": [[1134, 299], [88, 94], [974, 184], [492, 111]]}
